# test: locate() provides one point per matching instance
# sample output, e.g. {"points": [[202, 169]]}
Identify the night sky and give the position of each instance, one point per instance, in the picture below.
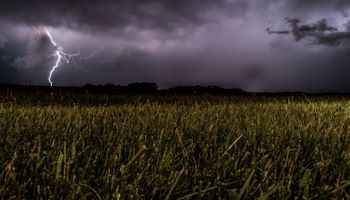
{"points": [[256, 45]]}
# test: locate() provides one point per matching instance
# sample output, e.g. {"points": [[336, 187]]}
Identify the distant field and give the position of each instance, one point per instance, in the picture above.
{"points": [[174, 147]]}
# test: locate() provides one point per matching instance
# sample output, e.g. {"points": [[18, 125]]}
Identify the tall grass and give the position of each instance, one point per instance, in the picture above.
{"points": [[149, 150]]}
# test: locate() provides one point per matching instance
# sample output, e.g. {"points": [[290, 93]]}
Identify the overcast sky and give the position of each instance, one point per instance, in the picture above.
{"points": [[269, 45]]}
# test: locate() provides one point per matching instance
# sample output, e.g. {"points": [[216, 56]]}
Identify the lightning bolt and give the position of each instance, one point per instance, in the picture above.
{"points": [[60, 55]]}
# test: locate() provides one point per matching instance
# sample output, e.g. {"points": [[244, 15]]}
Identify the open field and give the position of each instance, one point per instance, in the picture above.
{"points": [[174, 147]]}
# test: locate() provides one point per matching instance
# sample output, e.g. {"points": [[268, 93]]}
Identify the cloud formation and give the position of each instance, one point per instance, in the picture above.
{"points": [[39, 54], [90, 14], [2, 41], [320, 32], [175, 42]]}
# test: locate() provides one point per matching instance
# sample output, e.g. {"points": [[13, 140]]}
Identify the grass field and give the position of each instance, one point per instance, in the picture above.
{"points": [[174, 147]]}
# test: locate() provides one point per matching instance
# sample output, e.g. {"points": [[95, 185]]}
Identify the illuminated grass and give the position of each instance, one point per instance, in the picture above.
{"points": [[234, 150]]}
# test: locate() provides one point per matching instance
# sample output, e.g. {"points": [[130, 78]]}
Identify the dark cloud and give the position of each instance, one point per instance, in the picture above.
{"points": [[108, 14], [40, 53], [310, 4], [301, 31], [2, 41], [320, 32], [333, 39], [8, 74]]}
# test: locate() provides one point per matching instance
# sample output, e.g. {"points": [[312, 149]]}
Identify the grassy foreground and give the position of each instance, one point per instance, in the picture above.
{"points": [[275, 149]]}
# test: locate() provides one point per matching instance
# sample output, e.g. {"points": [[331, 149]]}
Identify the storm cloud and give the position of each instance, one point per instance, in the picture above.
{"points": [[175, 42], [91, 14], [320, 32], [2, 41]]}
